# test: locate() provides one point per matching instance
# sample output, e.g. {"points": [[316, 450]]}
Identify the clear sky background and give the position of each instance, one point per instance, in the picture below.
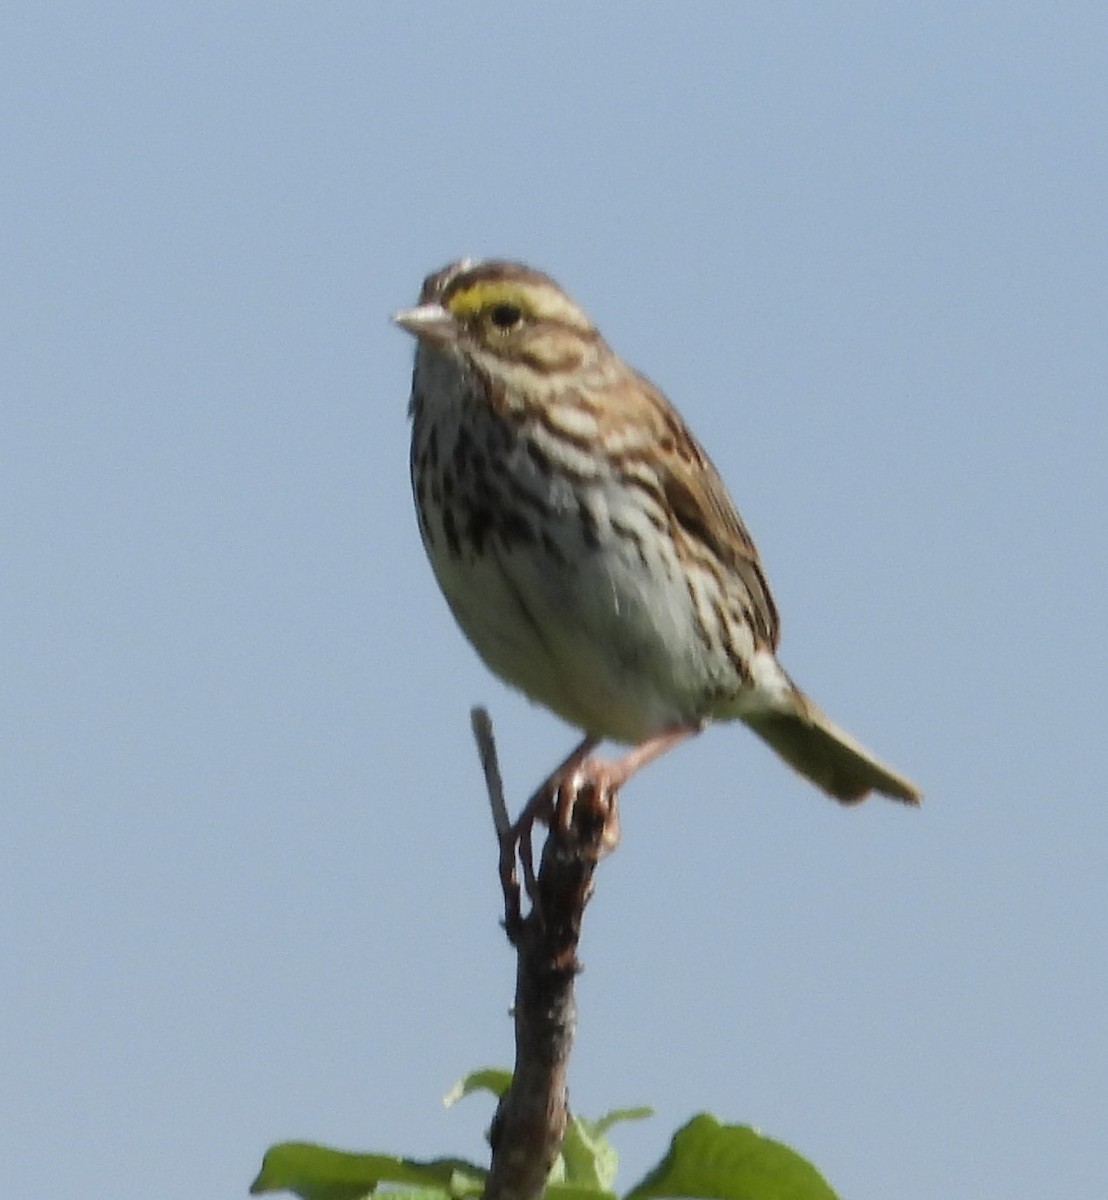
{"points": [[248, 885]]}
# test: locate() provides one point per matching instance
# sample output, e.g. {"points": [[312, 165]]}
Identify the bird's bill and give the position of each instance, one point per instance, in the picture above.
{"points": [[430, 321]]}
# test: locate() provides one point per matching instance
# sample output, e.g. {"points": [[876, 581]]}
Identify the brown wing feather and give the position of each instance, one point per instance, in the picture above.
{"points": [[702, 506], [696, 496]]}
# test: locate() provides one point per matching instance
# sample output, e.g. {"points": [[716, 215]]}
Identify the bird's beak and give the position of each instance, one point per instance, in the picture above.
{"points": [[430, 321]]}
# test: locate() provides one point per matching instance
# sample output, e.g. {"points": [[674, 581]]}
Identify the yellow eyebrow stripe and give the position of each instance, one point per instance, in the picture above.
{"points": [[479, 296]]}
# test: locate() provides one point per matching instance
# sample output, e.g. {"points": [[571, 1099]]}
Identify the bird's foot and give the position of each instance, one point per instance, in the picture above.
{"points": [[581, 778], [546, 802]]}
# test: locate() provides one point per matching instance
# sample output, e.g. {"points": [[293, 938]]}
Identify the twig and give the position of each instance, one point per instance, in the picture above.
{"points": [[530, 1122], [481, 722]]}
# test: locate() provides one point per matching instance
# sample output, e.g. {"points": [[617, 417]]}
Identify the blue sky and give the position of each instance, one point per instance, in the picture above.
{"points": [[248, 887]]}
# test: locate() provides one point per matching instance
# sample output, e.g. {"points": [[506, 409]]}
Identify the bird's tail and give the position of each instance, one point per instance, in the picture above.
{"points": [[810, 742]]}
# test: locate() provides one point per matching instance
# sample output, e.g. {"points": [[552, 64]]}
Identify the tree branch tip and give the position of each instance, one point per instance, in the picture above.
{"points": [[481, 724]]}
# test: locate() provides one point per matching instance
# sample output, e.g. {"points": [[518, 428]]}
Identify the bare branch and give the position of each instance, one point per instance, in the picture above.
{"points": [[481, 723], [530, 1122]]}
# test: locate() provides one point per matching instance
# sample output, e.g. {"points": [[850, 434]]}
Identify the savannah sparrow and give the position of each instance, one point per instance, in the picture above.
{"points": [[585, 543]]}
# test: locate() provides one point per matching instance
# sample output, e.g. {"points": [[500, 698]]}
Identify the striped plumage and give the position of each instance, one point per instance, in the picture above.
{"points": [[582, 537]]}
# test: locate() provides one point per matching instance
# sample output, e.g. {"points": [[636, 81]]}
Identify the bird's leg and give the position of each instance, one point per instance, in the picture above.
{"points": [[608, 777], [596, 782], [554, 800], [547, 800]]}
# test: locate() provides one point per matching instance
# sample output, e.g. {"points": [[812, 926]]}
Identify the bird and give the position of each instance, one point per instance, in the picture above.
{"points": [[586, 544]]}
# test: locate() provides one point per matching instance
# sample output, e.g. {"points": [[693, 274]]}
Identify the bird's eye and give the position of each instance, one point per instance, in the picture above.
{"points": [[506, 316]]}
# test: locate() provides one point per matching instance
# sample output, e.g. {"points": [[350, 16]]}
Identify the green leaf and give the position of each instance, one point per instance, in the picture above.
{"points": [[488, 1079], [321, 1173], [571, 1191], [410, 1193], [590, 1159], [604, 1123], [731, 1162]]}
